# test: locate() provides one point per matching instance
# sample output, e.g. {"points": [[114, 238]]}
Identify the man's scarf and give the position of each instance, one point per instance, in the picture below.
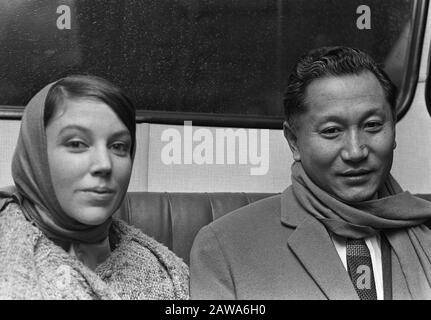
{"points": [[397, 214]]}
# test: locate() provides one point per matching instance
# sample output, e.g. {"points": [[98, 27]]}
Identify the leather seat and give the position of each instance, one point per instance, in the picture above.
{"points": [[174, 219]]}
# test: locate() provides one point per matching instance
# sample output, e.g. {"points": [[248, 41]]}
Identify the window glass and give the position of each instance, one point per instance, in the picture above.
{"points": [[221, 58]]}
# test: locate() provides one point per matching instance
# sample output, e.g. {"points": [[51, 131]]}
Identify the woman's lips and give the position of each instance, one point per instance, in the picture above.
{"points": [[99, 196], [99, 190]]}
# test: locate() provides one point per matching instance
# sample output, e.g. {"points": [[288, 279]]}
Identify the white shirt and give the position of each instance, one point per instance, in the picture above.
{"points": [[373, 244]]}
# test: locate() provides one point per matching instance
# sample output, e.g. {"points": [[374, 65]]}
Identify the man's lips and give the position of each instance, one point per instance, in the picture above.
{"points": [[356, 176], [355, 172]]}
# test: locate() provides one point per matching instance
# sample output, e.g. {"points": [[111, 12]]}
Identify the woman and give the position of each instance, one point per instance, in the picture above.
{"points": [[71, 168]]}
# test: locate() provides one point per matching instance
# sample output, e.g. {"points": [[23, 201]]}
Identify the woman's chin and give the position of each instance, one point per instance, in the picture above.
{"points": [[92, 216]]}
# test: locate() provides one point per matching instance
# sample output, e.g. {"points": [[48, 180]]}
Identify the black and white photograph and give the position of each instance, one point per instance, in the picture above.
{"points": [[215, 156]]}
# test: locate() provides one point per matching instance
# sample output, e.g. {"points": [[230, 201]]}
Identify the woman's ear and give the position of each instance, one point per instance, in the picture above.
{"points": [[290, 136]]}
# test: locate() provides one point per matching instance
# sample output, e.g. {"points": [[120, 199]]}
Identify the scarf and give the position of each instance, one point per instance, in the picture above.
{"points": [[33, 189], [395, 213]]}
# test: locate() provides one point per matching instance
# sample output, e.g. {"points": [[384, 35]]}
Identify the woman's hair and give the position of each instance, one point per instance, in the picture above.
{"points": [[326, 62], [95, 88]]}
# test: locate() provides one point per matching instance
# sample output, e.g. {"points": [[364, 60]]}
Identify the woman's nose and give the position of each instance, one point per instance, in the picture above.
{"points": [[101, 163], [355, 148]]}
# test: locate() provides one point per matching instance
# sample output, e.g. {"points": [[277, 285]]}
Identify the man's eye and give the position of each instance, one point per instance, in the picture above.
{"points": [[330, 132], [373, 126]]}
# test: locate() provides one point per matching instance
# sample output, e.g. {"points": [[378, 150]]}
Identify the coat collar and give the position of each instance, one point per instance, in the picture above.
{"points": [[291, 211], [313, 246]]}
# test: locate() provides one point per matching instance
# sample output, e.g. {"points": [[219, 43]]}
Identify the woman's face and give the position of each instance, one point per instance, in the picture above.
{"points": [[89, 159], [345, 139]]}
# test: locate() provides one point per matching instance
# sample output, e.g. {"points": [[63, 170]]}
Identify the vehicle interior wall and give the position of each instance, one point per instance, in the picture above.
{"points": [[412, 161], [150, 173]]}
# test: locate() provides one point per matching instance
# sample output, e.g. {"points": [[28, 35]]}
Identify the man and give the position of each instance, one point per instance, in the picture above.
{"points": [[344, 229]]}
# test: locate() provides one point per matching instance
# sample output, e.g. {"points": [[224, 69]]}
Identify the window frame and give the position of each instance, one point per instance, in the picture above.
{"points": [[407, 92], [404, 101], [428, 84]]}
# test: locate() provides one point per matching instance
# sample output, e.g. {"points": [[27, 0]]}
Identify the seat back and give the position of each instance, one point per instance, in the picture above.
{"points": [[174, 219]]}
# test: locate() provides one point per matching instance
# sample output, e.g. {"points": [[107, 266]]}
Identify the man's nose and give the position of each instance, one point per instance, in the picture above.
{"points": [[355, 148], [101, 162]]}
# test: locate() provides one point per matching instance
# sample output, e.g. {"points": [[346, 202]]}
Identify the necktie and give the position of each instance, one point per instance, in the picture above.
{"points": [[360, 269]]}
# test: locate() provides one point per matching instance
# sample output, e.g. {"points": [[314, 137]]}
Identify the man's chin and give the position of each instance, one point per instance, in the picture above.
{"points": [[355, 194]]}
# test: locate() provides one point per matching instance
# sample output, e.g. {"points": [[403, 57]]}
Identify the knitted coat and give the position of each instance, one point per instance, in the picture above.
{"points": [[33, 267]]}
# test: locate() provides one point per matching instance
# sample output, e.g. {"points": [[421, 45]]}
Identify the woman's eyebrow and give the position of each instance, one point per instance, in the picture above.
{"points": [[75, 127], [88, 131], [121, 133]]}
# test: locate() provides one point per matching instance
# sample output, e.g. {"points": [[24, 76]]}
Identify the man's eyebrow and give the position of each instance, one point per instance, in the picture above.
{"points": [[366, 114]]}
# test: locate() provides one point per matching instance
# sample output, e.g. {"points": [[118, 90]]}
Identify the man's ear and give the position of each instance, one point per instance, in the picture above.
{"points": [[395, 136], [395, 131], [290, 136]]}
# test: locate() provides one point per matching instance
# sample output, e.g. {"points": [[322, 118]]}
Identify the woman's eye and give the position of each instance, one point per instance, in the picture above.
{"points": [[76, 145], [120, 148], [331, 132]]}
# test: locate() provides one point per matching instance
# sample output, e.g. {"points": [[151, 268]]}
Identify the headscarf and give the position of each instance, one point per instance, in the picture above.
{"points": [[34, 190], [397, 214]]}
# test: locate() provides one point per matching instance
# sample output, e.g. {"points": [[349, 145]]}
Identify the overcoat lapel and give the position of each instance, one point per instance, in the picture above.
{"points": [[313, 247]]}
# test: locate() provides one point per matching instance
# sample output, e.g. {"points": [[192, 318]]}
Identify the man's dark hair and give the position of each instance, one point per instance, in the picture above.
{"points": [[331, 61]]}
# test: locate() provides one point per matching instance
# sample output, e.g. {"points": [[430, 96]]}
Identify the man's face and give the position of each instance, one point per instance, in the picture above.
{"points": [[345, 138]]}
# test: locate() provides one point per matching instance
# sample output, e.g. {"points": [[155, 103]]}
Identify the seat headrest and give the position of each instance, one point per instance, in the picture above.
{"points": [[174, 219]]}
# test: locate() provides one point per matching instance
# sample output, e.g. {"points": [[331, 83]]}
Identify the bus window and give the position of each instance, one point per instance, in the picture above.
{"points": [[221, 63]]}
